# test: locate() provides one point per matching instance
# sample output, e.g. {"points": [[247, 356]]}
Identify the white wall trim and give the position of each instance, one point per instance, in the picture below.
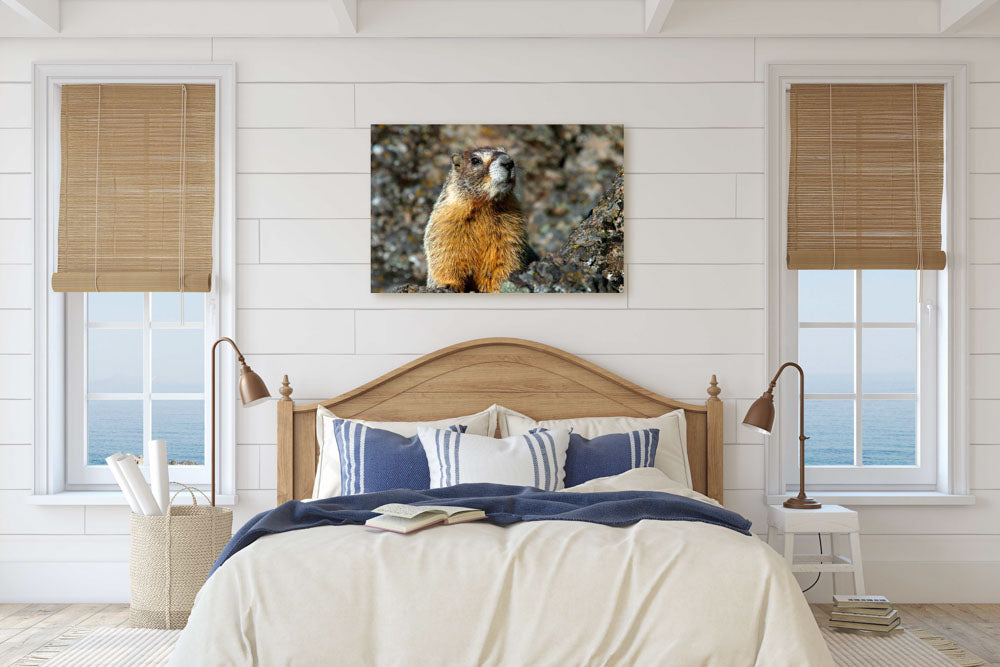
{"points": [[49, 338], [953, 383]]}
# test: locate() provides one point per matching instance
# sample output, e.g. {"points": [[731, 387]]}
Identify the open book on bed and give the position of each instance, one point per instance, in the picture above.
{"points": [[402, 518]]}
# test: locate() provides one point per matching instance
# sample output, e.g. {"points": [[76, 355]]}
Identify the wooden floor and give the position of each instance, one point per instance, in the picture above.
{"points": [[974, 627], [26, 627]]}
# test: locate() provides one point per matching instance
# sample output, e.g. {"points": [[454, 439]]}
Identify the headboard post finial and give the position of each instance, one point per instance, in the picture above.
{"points": [[713, 389], [285, 390]]}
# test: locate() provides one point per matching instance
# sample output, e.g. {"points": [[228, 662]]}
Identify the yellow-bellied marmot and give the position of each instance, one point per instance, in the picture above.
{"points": [[475, 238]]}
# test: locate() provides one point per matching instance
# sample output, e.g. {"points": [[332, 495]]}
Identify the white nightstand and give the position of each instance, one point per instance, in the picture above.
{"points": [[832, 519]]}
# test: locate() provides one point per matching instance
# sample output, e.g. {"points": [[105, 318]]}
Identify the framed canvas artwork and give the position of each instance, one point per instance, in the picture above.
{"points": [[497, 208]]}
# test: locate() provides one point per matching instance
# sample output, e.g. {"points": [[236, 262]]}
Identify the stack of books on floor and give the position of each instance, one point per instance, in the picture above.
{"points": [[864, 613]]}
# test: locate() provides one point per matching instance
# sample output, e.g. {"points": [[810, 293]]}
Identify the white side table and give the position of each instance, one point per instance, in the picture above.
{"points": [[832, 519]]}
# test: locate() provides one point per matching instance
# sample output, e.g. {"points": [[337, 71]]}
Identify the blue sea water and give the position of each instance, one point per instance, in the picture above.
{"points": [[888, 432], [116, 426]]}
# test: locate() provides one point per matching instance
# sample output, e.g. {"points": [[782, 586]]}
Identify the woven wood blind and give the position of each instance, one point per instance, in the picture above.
{"points": [[137, 190], [866, 176]]}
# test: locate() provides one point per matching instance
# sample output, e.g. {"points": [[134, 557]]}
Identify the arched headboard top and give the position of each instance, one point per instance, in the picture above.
{"points": [[538, 380]]}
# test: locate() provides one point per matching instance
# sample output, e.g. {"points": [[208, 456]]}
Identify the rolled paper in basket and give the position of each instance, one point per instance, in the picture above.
{"points": [[122, 483], [158, 474], [136, 482]]}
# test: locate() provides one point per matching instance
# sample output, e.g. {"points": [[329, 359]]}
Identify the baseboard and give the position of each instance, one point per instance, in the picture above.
{"points": [[64, 582], [918, 582], [937, 582]]}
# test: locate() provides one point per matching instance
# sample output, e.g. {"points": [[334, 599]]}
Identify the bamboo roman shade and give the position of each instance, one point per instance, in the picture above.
{"points": [[137, 193], [866, 176]]}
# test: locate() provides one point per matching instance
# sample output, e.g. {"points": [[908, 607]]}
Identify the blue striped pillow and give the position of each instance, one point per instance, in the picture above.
{"points": [[610, 454], [372, 459]]}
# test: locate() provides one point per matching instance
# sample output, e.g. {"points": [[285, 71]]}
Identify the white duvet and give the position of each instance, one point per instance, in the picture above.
{"points": [[539, 593]]}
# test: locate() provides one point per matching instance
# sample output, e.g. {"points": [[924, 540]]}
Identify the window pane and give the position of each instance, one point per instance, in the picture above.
{"points": [[194, 306], [827, 357], [114, 307], [889, 361], [178, 360], [113, 426], [114, 360], [166, 307], [888, 432], [889, 296], [830, 427], [826, 296], [182, 425]]}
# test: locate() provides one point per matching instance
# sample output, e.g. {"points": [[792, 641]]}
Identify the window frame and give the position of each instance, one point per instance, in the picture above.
{"points": [[51, 479], [79, 474], [921, 476], [948, 304]]}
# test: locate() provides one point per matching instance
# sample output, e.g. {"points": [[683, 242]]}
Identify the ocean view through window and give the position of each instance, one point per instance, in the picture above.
{"points": [[145, 374], [858, 341]]}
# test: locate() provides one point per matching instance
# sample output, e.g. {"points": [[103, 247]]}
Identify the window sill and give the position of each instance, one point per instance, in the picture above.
{"points": [[112, 498], [849, 498]]}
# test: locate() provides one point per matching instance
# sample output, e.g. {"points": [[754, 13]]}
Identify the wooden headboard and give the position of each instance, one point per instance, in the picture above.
{"points": [[541, 381]]}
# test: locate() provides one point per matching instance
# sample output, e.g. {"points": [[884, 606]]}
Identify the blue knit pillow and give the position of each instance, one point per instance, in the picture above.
{"points": [[610, 454], [372, 459]]}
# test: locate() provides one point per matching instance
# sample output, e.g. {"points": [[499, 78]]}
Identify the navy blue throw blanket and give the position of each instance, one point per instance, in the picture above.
{"points": [[502, 503]]}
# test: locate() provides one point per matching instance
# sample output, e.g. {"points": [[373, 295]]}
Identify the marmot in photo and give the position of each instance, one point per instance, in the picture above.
{"points": [[475, 237]]}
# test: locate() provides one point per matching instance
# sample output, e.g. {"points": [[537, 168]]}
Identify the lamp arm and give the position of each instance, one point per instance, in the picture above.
{"points": [[239, 355], [802, 395]]}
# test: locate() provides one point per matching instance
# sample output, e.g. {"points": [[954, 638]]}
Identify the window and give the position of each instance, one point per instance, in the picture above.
{"points": [[136, 372], [862, 339], [115, 369], [883, 349]]}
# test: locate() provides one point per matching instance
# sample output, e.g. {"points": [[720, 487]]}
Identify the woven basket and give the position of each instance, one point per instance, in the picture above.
{"points": [[170, 559]]}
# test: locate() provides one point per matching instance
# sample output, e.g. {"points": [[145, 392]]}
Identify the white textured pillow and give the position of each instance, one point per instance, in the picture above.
{"points": [[671, 452], [535, 459], [327, 482]]}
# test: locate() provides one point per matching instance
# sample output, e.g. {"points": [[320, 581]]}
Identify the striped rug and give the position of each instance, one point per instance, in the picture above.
{"points": [[101, 647], [914, 648]]}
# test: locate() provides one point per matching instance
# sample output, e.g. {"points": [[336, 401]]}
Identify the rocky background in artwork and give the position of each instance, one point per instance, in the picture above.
{"points": [[570, 186]]}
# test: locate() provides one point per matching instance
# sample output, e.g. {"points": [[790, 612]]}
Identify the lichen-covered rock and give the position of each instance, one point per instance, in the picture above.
{"points": [[593, 257], [410, 288]]}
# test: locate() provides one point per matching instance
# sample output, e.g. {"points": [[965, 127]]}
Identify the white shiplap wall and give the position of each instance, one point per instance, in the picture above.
{"points": [[693, 111]]}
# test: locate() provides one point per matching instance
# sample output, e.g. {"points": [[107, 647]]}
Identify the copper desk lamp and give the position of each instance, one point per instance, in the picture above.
{"points": [[252, 391], [760, 417]]}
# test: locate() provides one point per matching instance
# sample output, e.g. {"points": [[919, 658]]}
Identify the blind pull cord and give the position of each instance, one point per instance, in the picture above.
{"points": [[833, 205], [916, 183], [180, 240], [97, 188]]}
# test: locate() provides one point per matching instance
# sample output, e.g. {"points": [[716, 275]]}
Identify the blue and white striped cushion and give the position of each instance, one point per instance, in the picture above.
{"points": [[533, 459], [609, 454], [372, 459]]}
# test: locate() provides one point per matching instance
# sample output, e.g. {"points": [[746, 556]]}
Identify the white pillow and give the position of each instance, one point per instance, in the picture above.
{"points": [[671, 452], [535, 459], [327, 482], [639, 479]]}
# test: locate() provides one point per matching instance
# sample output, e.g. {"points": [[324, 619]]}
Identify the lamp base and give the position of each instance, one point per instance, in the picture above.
{"points": [[802, 504]]}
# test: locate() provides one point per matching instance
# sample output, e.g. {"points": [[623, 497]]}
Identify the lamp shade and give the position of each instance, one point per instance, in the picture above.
{"points": [[760, 416], [252, 388]]}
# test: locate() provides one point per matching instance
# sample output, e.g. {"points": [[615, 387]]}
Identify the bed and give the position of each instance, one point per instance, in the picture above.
{"points": [[544, 592]]}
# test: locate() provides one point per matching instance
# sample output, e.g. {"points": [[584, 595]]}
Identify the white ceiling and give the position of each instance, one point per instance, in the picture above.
{"points": [[425, 18]]}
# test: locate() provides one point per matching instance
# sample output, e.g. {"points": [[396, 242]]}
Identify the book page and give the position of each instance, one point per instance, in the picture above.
{"points": [[449, 510], [406, 511]]}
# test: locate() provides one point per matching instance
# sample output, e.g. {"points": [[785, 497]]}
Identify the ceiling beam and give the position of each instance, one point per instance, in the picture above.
{"points": [[44, 13], [656, 15], [958, 14], [347, 14]]}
